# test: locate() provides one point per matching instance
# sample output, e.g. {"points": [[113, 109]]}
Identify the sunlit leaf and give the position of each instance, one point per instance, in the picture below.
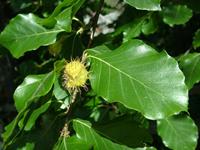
{"points": [[178, 132], [33, 86], [190, 65], [140, 78], [151, 5], [22, 30], [72, 143]]}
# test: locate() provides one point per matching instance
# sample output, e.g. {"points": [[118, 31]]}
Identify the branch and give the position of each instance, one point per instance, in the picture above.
{"points": [[94, 21]]}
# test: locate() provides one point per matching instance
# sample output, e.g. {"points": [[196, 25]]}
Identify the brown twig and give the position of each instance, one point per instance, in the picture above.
{"points": [[94, 22], [69, 112]]}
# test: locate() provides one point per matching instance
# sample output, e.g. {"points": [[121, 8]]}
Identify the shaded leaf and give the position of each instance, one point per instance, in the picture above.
{"points": [[190, 65], [178, 132], [8, 130], [33, 86], [193, 4], [145, 24], [150, 25], [35, 114], [151, 5], [140, 78], [133, 135], [133, 29], [74, 4], [44, 136], [59, 66], [18, 5], [28, 146], [85, 133], [176, 14], [196, 39]]}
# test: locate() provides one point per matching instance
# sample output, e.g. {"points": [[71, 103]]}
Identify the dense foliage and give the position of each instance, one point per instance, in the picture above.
{"points": [[100, 74]]}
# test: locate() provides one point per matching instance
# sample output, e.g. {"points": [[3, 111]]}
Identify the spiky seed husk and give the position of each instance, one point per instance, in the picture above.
{"points": [[75, 75]]}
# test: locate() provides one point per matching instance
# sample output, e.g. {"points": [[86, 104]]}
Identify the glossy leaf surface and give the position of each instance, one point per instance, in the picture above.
{"points": [[33, 86], [178, 132], [190, 65], [58, 91], [151, 5], [22, 30], [140, 78], [72, 143]]}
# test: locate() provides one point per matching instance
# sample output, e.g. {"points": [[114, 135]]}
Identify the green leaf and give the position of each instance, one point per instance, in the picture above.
{"points": [[145, 24], [44, 136], [133, 29], [24, 34], [178, 132], [64, 19], [193, 4], [75, 4], [176, 14], [35, 114], [8, 130], [23, 120], [72, 143], [151, 5], [59, 66], [133, 135], [196, 39], [33, 86], [22, 30], [28, 146], [58, 92], [150, 25], [190, 65], [140, 78], [85, 133]]}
